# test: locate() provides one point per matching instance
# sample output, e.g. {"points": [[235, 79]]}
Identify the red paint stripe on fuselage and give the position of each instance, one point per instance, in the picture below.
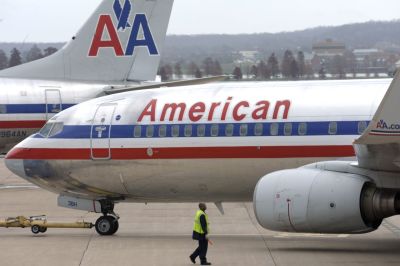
{"points": [[22, 124], [184, 153]]}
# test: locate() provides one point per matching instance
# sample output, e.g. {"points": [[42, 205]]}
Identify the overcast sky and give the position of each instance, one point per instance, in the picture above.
{"points": [[58, 20]]}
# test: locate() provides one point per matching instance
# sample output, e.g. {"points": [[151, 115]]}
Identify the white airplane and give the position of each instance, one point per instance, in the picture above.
{"points": [[116, 50], [229, 142]]}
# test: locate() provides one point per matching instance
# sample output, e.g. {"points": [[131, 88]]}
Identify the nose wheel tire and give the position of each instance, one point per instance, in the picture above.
{"points": [[106, 225], [35, 229]]}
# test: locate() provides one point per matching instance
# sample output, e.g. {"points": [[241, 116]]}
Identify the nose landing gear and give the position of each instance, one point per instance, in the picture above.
{"points": [[107, 224]]}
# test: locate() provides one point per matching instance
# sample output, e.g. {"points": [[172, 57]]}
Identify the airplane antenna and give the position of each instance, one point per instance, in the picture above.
{"points": [[23, 42]]}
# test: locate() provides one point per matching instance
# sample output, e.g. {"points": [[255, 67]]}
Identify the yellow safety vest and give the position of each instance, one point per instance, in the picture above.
{"points": [[197, 225]]}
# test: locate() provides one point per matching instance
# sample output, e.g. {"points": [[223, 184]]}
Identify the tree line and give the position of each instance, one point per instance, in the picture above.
{"points": [[208, 67], [16, 58], [291, 67]]}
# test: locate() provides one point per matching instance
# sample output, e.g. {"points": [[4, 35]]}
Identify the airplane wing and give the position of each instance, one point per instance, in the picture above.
{"points": [[379, 146], [166, 84]]}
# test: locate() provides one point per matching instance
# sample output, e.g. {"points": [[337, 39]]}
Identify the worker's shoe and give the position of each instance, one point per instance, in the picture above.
{"points": [[193, 260], [206, 263]]}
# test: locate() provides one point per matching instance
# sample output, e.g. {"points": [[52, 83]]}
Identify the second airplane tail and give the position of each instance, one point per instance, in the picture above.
{"points": [[121, 41]]}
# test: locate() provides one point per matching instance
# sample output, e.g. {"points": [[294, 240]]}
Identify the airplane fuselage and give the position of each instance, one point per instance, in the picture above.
{"points": [[209, 142], [26, 105]]}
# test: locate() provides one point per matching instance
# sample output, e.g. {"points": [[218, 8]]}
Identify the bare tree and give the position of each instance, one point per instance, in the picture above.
{"points": [[338, 66], [263, 71], [163, 73], [301, 63], [287, 64], [34, 54], [237, 73], [273, 65], [294, 69], [3, 60], [178, 70], [254, 71], [217, 68], [15, 58], [198, 74], [192, 69], [49, 51], [209, 66]]}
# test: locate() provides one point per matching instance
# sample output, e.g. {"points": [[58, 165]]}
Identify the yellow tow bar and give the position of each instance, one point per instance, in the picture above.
{"points": [[39, 224]]}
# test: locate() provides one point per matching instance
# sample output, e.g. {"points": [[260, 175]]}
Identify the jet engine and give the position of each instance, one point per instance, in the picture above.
{"points": [[312, 200]]}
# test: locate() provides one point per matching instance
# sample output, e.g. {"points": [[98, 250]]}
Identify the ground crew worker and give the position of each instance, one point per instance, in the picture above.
{"points": [[200, 231]]}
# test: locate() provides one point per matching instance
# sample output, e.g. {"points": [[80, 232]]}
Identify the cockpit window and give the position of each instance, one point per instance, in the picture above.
{"points": [[51, 129], [46, 129], [57, 129]]}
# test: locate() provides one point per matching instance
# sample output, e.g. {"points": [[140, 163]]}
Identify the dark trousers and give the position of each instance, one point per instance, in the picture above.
{"points": [[201, 251]]}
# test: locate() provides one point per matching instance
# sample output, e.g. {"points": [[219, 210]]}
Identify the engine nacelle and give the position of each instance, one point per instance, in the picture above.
{"points": [[318, 201]]}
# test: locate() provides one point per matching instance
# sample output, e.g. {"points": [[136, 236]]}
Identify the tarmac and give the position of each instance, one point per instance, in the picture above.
{"points": [[160, 234]]}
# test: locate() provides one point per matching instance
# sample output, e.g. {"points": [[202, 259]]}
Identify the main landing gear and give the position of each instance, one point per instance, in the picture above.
{"points": [[107, 224]]}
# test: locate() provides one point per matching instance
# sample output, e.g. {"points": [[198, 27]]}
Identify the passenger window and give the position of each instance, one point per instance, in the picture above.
{"points": [[201, 130], [56, 129], [214, 130], [137, 131], [258, 129], [162, 131], [243, 129], [229, 130], [150, 131], [46, 129], [274, 129], [287, 130], [332, 128], [302, 129], [362, 126], [188, 130], [175, 131]]}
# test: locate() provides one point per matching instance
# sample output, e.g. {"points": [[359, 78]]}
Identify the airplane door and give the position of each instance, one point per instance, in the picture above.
{"points": [[101, 132], [53, 102]]}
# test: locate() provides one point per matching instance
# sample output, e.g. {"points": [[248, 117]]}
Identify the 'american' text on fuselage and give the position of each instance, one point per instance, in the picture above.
{"points": [[214, 111]]}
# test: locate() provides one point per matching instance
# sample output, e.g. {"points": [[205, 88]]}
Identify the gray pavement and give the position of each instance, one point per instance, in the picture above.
{"points": [[160, 234]]}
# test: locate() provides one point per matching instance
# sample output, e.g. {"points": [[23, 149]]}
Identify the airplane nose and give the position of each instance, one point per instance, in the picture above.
{"points": [[16, 166]]}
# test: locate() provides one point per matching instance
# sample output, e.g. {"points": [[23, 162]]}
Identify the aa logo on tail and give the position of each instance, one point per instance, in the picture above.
{"points": [[106, 27]]}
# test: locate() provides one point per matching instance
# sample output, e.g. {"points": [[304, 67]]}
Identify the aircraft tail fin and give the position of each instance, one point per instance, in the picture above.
{"points": [[385, 125], [121, 41], [378, 147]]}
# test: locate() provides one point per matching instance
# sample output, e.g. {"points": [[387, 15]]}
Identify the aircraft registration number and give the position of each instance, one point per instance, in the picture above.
{"points": [[13, 133]]}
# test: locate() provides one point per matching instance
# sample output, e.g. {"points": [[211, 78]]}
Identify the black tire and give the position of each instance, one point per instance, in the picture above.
{"points": [[115, 226], [35, 229], [43, 229], [105, 225]]}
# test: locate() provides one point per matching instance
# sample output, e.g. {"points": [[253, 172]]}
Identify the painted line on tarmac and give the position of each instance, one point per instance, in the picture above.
{"points": [[391, 227], [18, 187], [294, 235]]}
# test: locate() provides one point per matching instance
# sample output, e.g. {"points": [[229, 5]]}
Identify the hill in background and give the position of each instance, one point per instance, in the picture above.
{"points": [[193, 54], [380, 35]]}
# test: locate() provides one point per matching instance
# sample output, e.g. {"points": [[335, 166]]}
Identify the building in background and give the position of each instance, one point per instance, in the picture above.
{"points": [[328, 49]]}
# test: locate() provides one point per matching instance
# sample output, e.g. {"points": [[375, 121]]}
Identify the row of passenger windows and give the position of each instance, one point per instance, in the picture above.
{"points": [[229, 130]]}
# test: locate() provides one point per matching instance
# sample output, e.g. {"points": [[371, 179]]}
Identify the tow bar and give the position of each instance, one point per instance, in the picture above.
{"points": [[39, 224]]}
